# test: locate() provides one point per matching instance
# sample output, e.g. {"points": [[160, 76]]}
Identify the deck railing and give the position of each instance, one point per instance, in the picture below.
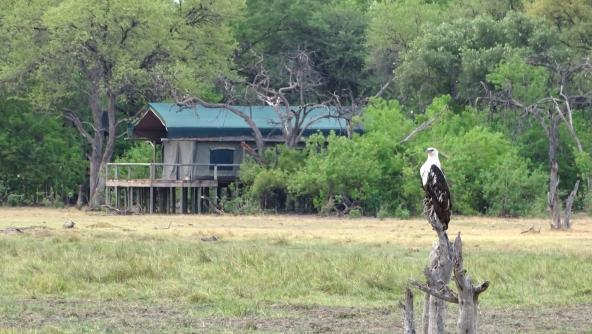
{"points": [[167, 171]]}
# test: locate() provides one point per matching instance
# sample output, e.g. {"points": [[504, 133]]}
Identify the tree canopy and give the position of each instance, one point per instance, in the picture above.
{"points": [[507, 81]]}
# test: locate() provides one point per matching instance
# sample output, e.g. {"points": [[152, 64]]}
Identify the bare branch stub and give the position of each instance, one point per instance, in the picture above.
{"points": [[468, 294], [407, 308], [443, 293]]}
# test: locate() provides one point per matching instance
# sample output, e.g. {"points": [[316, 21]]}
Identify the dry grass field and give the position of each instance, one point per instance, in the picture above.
{"points": [[484, 232], [275, 273]]}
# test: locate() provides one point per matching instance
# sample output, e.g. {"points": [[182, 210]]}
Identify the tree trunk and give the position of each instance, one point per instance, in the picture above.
{"points": [[80, 199], [96, 180], [568, 205], [101, 152], [444, 259], [553, 200]]}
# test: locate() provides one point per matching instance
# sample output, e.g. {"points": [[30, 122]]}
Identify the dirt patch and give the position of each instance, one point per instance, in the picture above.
{"points": [[114, 316], [23, 229]]}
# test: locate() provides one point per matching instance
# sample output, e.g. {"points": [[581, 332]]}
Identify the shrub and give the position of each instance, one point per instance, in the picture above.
{"points": [[588, 203], [379, 173], [15, 199], [511, 188], [355, 213], [270, 188], [402, 213]]}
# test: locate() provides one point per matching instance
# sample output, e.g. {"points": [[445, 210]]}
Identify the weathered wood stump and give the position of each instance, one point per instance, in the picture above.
{"points": [[445, 260]]}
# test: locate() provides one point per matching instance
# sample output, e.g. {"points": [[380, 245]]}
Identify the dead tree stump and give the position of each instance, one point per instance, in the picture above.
{"points": [[437, 274], [444, 260]]}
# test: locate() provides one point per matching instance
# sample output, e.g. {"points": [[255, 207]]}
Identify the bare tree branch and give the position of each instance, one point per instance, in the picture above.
{"points": [[446, 295], [423, 126], [72, 117], [384, 88]]}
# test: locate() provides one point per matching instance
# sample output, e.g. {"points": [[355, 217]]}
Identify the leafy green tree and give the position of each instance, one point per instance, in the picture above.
{"points": [[455, 58], [378, 171], [550, 91], [38, 154], [89, 58], [572, 18], [332, 31], [513, 187], [392, 27]]}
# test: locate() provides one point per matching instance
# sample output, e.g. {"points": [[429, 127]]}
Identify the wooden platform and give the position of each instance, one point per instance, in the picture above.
{"points": [[151, 193]]}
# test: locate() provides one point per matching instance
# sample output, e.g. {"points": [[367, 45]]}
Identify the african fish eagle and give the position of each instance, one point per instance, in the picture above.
{"points": [[435, 186]]}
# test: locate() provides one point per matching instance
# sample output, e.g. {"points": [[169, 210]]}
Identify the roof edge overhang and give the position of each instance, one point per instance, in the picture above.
{"points": [[150, 126]]}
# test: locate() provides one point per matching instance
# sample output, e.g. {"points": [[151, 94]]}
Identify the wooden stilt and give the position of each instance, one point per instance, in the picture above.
{"points": [[107, 196], [174, 200], [184, 200], [199, 190], [213, 197], [161, 201], [151, 204]]}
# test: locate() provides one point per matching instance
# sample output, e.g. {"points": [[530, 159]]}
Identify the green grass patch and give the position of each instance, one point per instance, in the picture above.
{"points": [[245, 277]]}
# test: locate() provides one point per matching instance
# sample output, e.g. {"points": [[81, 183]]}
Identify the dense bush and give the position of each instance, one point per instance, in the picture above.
{"points": [[377, 173], [39, 155]]}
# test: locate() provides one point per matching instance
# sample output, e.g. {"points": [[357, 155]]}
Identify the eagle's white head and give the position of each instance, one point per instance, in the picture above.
{"points": [[432, 153], [431, 160]]}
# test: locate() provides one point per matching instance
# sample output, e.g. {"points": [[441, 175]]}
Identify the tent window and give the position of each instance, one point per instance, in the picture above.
{"points": [[221, 156]]}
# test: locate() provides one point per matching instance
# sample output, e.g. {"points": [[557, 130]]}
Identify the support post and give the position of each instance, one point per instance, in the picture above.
{"points": [[173, 200], [116, 171], [199, 191], [151, 205], [184, 200], [161, 201]]}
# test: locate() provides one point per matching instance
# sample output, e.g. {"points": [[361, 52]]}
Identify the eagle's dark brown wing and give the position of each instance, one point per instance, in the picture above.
{"points": [[437, 189]]}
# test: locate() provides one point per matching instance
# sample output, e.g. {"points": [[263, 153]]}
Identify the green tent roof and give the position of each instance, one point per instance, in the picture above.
{"points": [[198, 121]]}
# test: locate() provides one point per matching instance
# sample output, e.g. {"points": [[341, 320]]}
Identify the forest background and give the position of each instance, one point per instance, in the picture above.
{"points": [[501, 87]]}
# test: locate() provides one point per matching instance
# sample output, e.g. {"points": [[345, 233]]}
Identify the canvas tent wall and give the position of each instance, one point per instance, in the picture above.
{"points": [[194, 152]]}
